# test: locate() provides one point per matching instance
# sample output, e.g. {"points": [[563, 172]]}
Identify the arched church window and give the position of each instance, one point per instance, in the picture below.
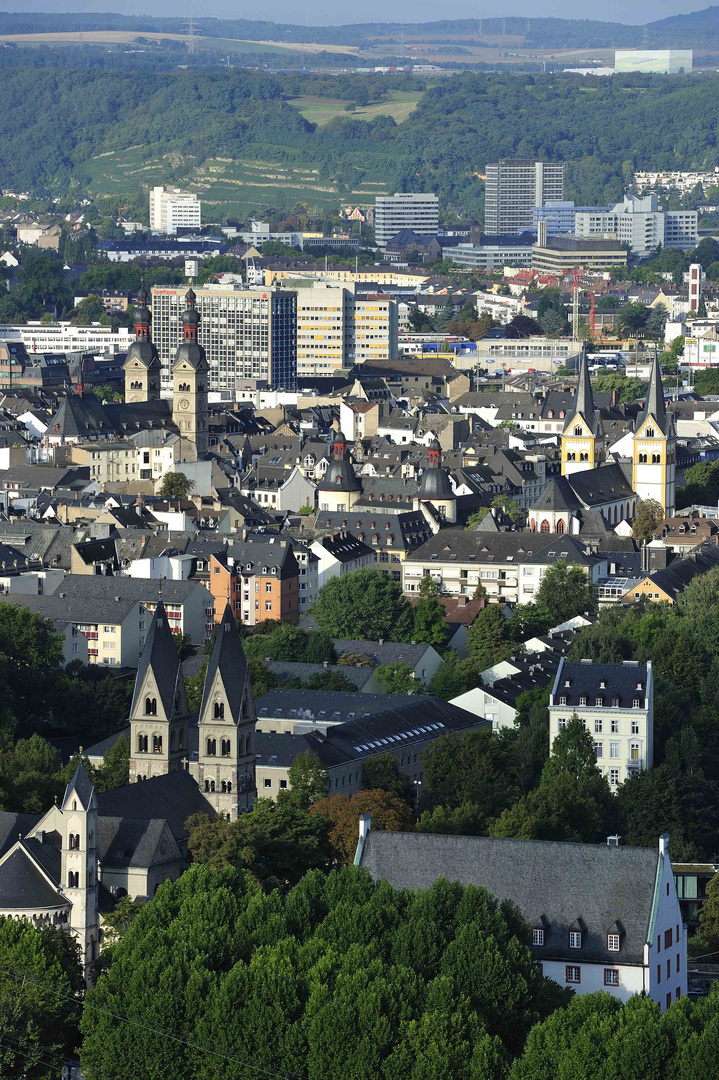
{"points": [[561, 526], [157, 744], [642, 459], [649, 433], [211, 747], [578, 430], [219, 710], [142, 744], [545, 527], [73, 879], [150, 706], [225, 747], [656, 459]]}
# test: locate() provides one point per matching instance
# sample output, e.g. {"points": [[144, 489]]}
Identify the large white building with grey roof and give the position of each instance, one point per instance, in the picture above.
{"points": [[615, 702], [601, 917]]}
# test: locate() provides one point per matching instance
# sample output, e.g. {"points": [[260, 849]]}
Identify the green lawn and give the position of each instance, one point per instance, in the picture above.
{"points": [[320, 111]]}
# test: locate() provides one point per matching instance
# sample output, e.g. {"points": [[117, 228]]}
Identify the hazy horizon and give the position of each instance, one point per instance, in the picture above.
{"points": [[324, 13]]}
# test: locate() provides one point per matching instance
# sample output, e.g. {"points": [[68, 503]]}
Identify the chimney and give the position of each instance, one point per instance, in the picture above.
{"points": [[614, 841], [365, 822], [664, 845]]}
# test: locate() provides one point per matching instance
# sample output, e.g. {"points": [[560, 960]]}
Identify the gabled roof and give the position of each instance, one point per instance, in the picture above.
{"points": [[172, 797], [229, 662], [161, 657], [583, 402], [555, 882], [24, 886], [654, 404], [558, 496]]}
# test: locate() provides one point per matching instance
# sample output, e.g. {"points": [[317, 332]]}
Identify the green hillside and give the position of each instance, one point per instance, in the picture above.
{"points": [[238, 138]]}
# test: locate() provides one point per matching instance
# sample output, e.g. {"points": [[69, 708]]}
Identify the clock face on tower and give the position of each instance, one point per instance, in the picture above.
{"points": [[183, 403]]}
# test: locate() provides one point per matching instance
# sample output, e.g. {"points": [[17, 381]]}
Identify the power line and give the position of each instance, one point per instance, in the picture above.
{"points": [[173, 1036]]}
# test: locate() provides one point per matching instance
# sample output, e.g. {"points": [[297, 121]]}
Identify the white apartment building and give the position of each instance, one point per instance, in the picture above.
{"points": [[246, 333], [681, 181], [489, 255], [66, 338], [615, 702], [640, 223], [405, 210], [172, 209], [336, 328], [513, 187]]}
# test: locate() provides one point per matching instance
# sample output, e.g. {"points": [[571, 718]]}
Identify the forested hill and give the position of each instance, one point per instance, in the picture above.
{"points": [[57, 124], [694, 30]]}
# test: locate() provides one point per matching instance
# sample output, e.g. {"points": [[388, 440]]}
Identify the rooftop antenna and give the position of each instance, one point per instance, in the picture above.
{"points": [[191, 44]]}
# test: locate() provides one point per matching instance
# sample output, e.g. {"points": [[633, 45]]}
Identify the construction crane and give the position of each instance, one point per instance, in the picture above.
{"points": [[576, 290]]}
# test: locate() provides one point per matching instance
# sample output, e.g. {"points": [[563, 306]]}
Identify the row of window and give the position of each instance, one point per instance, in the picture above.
{"points": [[573, 975], [599, 701], [575, 939], [614, 725]]}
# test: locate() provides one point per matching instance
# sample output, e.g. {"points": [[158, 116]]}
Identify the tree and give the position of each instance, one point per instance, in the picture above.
{"points": [[564, 592], [397, 678], [262, 679], [480, 592], [363, 606], [383, 771], [308, 780], [428, 586], [573, 801], [476, 519], [509, 507], [709, 916], [648, 518], [430, 623], [387, 811], [88, 310], [277, 842], [40, 981], [633, 318], [454, 676], [476, 768], [175, 485], [487, 638], [30, 659], [115, 769], [338, 976], [183, 644], [194, 686], [331, 679]]}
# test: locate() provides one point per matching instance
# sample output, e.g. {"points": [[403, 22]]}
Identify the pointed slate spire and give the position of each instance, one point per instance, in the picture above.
{"points": [[162, 658], [229, 662], [584, 400], [654, 404], [82, 788]]}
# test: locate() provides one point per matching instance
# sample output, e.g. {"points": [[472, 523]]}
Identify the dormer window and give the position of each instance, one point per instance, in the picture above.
{"points": [[537, 937], [567, 682], [575, 939], [613, 942], [599, 701], [603, 685], [583, 699], [563, 700]]}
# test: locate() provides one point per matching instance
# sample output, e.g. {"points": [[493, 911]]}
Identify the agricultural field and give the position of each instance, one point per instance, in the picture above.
{"points": [[320, 111]]}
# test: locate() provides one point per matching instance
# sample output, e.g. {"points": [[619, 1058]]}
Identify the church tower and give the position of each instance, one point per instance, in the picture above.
{"points": [[190, 376], [225, 769], [654, 449], [583, 439], [142, 365], [78, 863], [340, 489], [435, 486], [159, 718]]}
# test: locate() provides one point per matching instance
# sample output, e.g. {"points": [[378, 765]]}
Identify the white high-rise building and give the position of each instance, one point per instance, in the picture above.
{"points": [[336, 328], [405, 210], [513, 187], [172, 209]]}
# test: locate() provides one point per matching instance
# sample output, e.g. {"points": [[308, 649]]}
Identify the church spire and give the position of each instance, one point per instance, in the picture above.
{"points": [[584, 399], [654, 404]]}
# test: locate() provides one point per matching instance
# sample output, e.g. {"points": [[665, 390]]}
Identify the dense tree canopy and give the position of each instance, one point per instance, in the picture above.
{"points": [[342, 976]]}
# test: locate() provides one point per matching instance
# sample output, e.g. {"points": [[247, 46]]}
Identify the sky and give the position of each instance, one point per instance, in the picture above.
{"points": [[334, 12]]}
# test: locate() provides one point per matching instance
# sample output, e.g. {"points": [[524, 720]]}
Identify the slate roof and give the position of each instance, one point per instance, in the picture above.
{"points": [[60, 607], [608, 483], [161, 657], [227, 659], [383, 652], [344, 548], [406, 530], [286, 669], [480, 547], [129, 842], [324, 706], [14, 825], [22, 885], [173, 797], [558, 496], [601, 680], [553, 884]]}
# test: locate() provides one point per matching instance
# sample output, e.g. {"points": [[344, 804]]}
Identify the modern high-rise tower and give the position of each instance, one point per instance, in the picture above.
{"points": [[513, 187]]}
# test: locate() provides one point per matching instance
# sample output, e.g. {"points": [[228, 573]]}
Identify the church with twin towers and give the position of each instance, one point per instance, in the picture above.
{"points": [[217, 747]]}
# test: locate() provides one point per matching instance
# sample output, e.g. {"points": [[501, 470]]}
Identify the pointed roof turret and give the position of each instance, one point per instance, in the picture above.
{"points": [[161, 659], [229, 663], [435, 483], [81, 787], [340, 475], [189, 351], [584, 399], [654, 404]]}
